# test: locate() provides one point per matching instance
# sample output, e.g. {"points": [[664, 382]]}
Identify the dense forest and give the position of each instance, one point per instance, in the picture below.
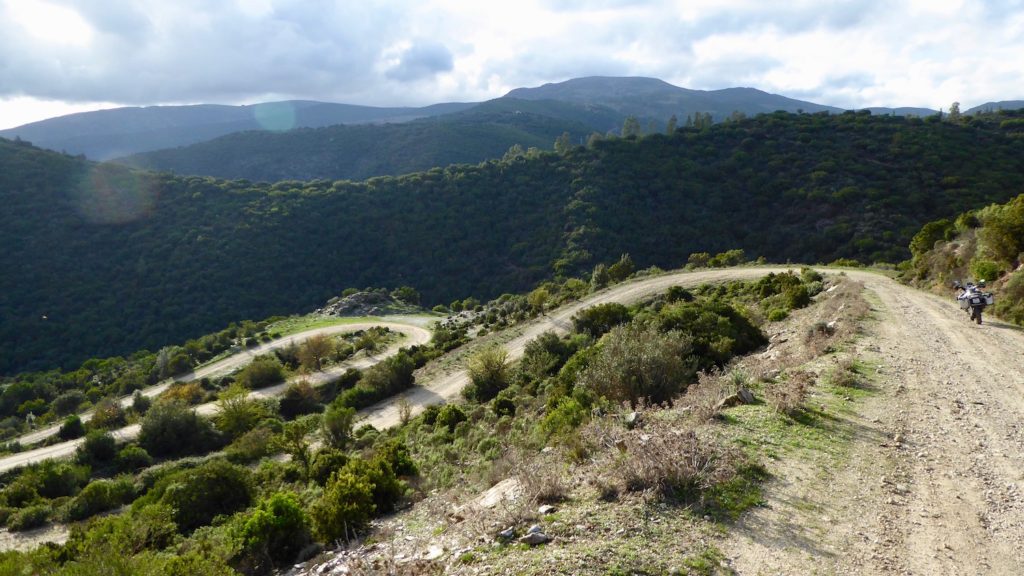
{"points": [[360, 151], [101, 260]]}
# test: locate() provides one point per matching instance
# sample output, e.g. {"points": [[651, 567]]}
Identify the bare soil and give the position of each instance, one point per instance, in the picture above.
{"points": [[931, 481]]}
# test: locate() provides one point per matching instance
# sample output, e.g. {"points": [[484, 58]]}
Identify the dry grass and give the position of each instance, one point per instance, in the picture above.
{"points": [[712, 387], [788, 395], [661, 459]]}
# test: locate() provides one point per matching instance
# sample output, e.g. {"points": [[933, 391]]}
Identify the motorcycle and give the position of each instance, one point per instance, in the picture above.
{"points": [[973, 298]]}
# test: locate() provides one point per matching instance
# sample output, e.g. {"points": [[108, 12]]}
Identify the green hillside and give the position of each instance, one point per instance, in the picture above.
{"points": [[357, 152], [100, 260]]}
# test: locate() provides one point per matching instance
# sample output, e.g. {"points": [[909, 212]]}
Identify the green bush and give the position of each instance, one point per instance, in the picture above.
{"points": [[71, 428], [597, 320], [133, 458], [299, 398], [325, 463], [251, 446], [489, 373], [345, 507], [197, 496], [986, 270], [263, 371], [396, 454], [777, 314], [55, 479], [639, 362], [29, 518], [449, 416], [174, 429], [100, 496], [504, 404], [336, 425], [21, 492], [567, 415], [98, 448], [277, 528]]}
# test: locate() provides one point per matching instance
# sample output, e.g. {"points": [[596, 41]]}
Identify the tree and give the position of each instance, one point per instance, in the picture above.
{"points": [[599, 278], [314, 351], [406, 294], [622, 269], [631, 127], [954, 112], [563, 144], [673, 123], [538, 299], [292, 439]]}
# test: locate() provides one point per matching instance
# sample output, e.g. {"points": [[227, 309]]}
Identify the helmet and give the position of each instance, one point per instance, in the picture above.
{"points": [[981, 283]]}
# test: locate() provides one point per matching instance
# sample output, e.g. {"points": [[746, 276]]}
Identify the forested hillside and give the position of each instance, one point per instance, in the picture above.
{"points": [[100, 260], [985, 244], [357, 152]]}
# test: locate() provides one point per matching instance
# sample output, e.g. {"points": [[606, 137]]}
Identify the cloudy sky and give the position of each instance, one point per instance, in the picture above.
{"points": [[61, 56]]}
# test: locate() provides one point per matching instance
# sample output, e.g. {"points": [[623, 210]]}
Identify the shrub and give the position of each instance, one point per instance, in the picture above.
{"points": [[449, 416], [251, 446], [263, 371], [29, 518], [21, 492], [107, 414], [238, 412], [98, 448], [788, 396], [100, 496], [336, 425], [986, 270], [277, 528], [55, 479], [141, 403], [777, 314], [345, 507], [597, 320], [489, 373], [172, 429], [197, 496], [567, 415], [298, 399], [396, 454], [639, 362], [133, 458], [325, 463], [68, 402], [504, 404], [71, 428]]}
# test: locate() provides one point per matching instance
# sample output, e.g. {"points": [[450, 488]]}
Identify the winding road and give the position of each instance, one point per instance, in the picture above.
{"points": [[409, 328]]}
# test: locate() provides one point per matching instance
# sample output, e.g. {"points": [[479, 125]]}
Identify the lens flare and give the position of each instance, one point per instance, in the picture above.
{"points": [[111, 194], [275, 116]]}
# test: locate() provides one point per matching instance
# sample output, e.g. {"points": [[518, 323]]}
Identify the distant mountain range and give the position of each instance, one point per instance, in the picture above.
{"points": [[107, 134], [307, 140]]}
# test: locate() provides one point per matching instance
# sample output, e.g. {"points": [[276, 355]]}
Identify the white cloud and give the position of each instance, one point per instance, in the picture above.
{"points": [[849, 53]]}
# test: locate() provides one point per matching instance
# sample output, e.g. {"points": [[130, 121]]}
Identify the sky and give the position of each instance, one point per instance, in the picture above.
{"points": [[64, 56]]}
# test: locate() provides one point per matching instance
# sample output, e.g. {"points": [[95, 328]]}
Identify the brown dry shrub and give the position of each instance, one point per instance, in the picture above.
{"points": [[190, 393], [843, 374], [662, 459], [712, 387], [789, 395]]}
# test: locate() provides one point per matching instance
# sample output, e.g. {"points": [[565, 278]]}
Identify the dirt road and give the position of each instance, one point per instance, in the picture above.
{"points": [[412, 335], [933, 479]]}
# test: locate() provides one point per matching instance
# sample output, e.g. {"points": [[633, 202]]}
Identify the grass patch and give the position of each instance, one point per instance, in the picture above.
{"points": [[728, 500], [706, 563]]}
